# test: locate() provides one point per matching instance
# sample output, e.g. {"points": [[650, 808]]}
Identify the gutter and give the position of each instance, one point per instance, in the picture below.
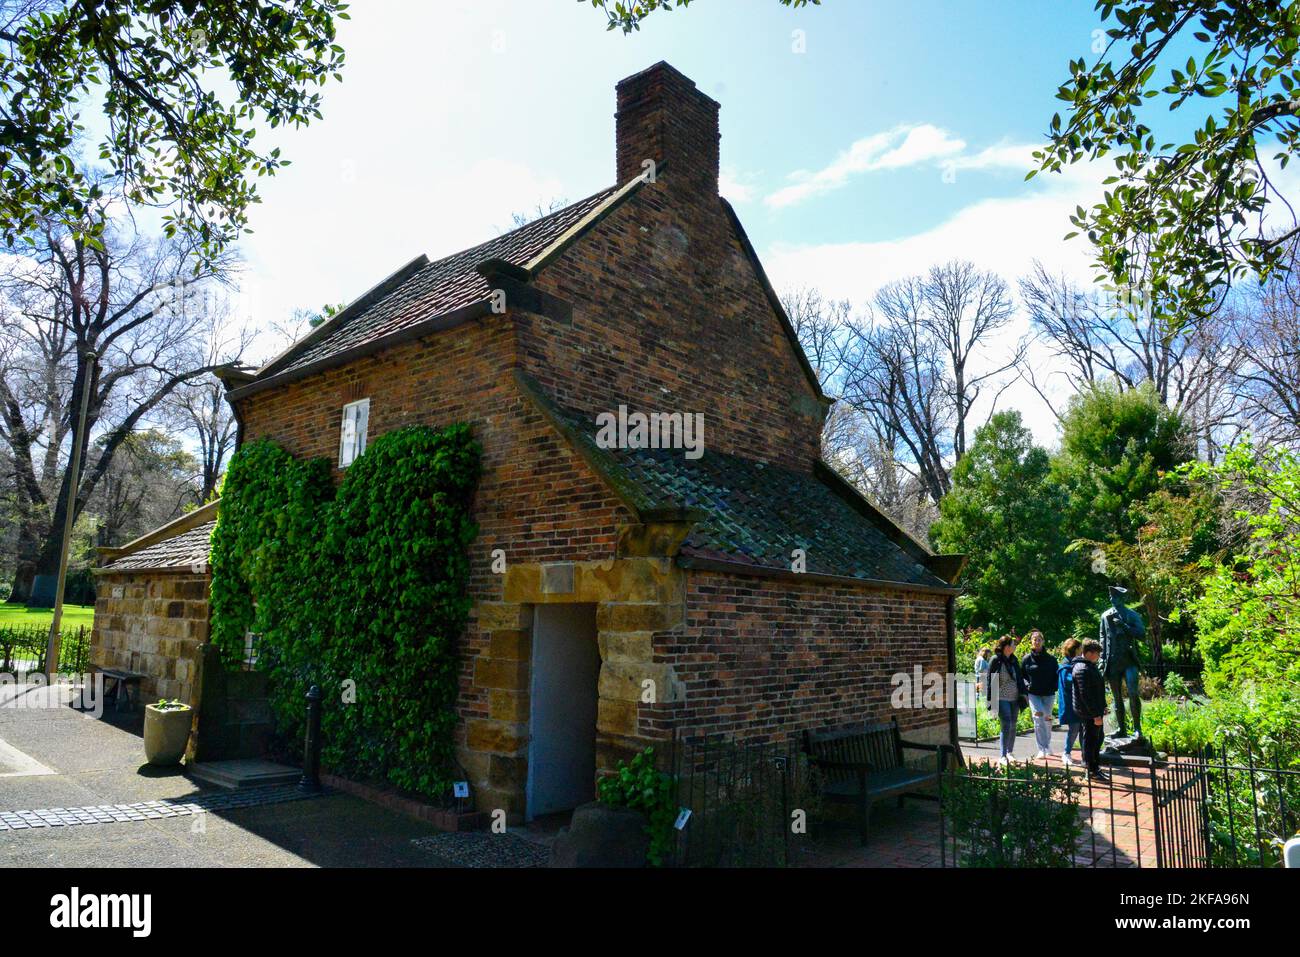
{"points": [[950, 626], [785, 574], [148, 570]]}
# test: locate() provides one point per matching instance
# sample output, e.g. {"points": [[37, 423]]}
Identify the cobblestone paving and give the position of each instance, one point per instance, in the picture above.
{"points": [[477, 849], [149, 810]]}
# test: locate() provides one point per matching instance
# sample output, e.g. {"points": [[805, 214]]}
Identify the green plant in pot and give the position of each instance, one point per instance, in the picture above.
{"points": [[166, 731]]}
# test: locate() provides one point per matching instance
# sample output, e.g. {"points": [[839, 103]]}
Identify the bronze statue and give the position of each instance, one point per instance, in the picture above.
{"points": [[1121, 627]]}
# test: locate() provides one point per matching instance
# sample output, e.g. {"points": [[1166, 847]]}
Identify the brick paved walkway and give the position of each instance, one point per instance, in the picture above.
{"points": [[1119, 827], [1119, 819]]}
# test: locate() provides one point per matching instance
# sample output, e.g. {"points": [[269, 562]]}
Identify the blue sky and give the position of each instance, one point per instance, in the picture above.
{"points": [[899, 137]]}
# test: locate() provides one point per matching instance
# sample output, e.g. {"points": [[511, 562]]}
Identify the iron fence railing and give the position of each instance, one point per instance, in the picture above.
{"points": [[1241, 803], [22, 649], [1037, 815], [1233, 804], [748, 803], [1192, 671]]}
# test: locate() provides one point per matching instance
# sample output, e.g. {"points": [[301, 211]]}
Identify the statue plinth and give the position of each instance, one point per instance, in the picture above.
{"points": [[1120, 749]]}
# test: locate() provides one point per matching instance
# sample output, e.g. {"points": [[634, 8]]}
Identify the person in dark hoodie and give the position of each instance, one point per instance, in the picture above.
{"points": [[1065, 700], [1039, 667], [1089, 690], [1006, 686]]}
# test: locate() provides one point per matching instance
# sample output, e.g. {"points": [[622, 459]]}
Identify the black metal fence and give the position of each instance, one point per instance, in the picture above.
{"points": [[1233, 804], [1038, 815], [1229, 805], [22, 649], [742, 804], [1180, 813], [1192, 671]]}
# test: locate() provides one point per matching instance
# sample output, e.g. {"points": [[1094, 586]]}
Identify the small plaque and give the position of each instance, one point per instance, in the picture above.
{"points": [[683, 816], [557, 578], [460, 789]]}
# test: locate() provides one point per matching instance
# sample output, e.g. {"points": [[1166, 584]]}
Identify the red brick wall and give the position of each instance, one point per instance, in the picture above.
{"points": [[670, 316], [536, 499], [766, 658]]}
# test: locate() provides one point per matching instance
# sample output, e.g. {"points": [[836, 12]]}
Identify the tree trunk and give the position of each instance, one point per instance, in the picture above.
{"points": [[1154, 628]]}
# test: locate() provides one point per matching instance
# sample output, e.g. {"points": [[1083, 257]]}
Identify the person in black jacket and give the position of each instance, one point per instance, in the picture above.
{"points": [[1006, 687], [1089, 690], [1039, 667]]}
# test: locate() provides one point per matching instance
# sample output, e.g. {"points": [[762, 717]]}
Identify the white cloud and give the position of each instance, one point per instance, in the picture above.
{"points": [[387, 221], [897, 148], [1009, 156], [734, 187]]}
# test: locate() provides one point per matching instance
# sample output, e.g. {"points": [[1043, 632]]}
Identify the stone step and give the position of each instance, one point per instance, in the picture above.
{"points": [[243, 773]]}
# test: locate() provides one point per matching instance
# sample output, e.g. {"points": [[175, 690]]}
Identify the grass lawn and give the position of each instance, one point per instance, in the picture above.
{"points": [[13, 613]]}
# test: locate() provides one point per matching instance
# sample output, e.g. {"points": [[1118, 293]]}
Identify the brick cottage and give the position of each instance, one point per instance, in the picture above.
{"points": [[746, 591]]}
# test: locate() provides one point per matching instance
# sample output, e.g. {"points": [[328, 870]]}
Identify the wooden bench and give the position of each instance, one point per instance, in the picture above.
{"points": [[124, 683], [863, 764]]}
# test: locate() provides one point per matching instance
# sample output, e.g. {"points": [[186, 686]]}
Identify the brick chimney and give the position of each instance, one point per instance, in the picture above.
{"points": [[663, 117]]}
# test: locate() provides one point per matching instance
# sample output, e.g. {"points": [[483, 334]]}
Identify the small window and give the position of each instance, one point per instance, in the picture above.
{"points": [[352, 442]]}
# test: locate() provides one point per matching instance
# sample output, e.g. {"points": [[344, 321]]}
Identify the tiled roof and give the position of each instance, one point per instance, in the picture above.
{"points": [[758, 514], [434, 289], [753, 513], [189, 548]]}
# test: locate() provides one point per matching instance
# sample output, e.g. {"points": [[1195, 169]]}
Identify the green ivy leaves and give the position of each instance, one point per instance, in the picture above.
{"points": [[363, 589]]}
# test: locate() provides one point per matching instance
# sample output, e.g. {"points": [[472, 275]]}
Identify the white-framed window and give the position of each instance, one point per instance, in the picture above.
{"points": [[352, 440], [251, 642]]}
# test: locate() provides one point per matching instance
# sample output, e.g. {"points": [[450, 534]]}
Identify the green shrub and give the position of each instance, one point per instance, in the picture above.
{"points": [[1247, 616], [1175, 686], [641, 786], [1020, 815]]}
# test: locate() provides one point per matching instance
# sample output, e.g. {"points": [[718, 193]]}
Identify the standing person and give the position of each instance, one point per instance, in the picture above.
{"points": [[981, 669], [1065, 699], [1090, 705], [1039, 667], [1005, 688]]}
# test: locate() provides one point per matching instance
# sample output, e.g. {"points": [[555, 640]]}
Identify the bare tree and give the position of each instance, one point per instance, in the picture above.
{"points": [[151, 480], [821, 325], [863, 448], [964, 309], [1116, 335], [135, 302], [207, 418], [1266, 383], [921, 362]]}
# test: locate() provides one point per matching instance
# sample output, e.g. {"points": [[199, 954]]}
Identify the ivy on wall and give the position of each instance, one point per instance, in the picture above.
{"points": [[361, 592]]}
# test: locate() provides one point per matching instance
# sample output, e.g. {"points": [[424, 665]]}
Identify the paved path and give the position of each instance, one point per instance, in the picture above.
{"points": [[1120, 818], [116, 811], [1118, 822]]}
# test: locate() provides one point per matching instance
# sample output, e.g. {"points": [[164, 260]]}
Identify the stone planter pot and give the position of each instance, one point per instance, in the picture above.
{"points": [[602, 836], [166, 733]]}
